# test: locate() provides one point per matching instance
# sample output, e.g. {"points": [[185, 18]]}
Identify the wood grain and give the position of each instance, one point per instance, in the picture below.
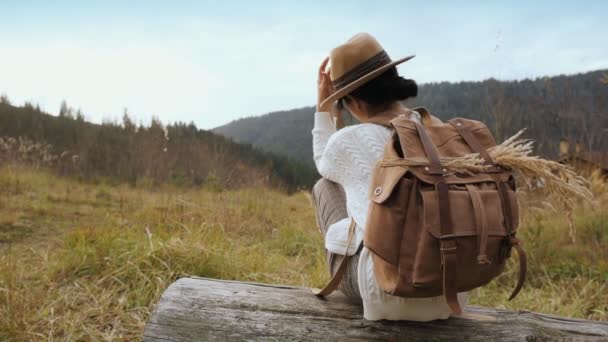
{"points": [[199, 309]]}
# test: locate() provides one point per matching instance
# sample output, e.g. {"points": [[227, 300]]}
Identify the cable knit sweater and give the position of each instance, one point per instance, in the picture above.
{"points": [[348, 157]]}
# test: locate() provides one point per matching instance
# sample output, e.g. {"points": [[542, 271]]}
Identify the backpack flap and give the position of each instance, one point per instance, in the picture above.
{"points": [[465, 214], [389, 194], [384, 181]]}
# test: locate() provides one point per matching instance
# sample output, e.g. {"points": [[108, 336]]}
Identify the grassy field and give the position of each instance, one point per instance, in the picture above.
{"points": [[88, 262]]}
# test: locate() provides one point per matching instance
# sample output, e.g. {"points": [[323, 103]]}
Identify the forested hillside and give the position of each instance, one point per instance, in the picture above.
{"points": [[178, 153], [573, 107]]}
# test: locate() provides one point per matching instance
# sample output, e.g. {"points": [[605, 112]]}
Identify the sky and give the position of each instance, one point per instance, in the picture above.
{"points": [[211, 62]]}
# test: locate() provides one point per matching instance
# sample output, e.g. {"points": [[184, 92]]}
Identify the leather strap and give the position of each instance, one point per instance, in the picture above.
{"points": [[470, 139], [481, 223], [523, 269], [513, 241], [506, 206], [448, 248], [430, 150], [502, 188], [445, 219], [449, 261], [335, 280], [426, 117]]}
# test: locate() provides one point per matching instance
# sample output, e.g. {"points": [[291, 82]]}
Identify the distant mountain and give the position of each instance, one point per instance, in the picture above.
{"points": [[573, 107], [179, 153], [286, 132]]}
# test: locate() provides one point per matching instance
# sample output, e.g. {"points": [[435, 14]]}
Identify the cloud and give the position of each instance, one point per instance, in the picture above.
{"points": [[214, 64]]}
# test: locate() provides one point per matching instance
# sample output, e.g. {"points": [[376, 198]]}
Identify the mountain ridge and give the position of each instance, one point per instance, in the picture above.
{"points": [[551, 107]]}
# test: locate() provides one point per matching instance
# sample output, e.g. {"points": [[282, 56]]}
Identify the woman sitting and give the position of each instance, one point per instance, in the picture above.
{"points": [[364, 80]]}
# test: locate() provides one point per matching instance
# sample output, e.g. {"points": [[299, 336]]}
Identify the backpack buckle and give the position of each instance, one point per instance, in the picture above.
{"points": [[447, 246]]}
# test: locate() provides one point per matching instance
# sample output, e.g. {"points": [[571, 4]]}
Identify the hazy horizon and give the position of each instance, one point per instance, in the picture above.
{"points": [[214, 62], [118, 117]]}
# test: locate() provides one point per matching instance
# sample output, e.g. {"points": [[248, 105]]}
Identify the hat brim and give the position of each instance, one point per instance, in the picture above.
{"points": [[362, 80]]}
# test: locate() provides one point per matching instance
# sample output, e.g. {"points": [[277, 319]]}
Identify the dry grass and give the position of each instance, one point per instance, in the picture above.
{"points": [[85, 262], [564, 278], [88, 269], [560, 181]]}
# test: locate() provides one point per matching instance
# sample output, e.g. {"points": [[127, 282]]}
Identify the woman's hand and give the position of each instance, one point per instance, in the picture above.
{"points": [[324, 87]]}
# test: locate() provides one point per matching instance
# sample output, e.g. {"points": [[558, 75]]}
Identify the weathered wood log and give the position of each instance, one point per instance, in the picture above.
{"points": [[199, 309]]}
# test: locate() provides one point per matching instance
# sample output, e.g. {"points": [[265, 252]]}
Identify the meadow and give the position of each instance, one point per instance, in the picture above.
{"points": [[83, 261]]}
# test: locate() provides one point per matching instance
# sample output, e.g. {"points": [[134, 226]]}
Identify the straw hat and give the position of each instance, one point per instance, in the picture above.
{"points": [[355, 63]]}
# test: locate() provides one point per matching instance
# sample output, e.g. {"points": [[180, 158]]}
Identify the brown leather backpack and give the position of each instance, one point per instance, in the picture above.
{"points": [[432, 231]]}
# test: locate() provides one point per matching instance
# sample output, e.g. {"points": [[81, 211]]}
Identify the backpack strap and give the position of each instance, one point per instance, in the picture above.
{"points": [[430, 150], [501, 186], [472, 141], [336, 279], [513, 241], [522, 266], [447, 243], [427, 118], [448, 249], [481, 223]]}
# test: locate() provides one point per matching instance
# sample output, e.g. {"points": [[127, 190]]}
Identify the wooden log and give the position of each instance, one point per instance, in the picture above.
{"points": [[199, 309]]}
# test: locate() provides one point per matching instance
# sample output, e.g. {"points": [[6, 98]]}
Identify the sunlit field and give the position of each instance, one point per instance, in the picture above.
{"points": [[89, 261]]}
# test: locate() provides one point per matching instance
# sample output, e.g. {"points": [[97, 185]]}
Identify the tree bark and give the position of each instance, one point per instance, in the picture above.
{"points": [[199, 309]]}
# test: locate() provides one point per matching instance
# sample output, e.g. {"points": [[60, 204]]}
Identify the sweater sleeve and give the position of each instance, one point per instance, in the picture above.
{"points": [[324, 147], [322, 130]]}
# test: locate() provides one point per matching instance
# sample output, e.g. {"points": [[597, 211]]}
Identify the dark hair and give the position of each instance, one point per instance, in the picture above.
{"points": [[385, 89]]}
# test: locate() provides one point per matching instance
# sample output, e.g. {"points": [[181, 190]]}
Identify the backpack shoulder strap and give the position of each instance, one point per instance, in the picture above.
{"points": [[425, 115]]}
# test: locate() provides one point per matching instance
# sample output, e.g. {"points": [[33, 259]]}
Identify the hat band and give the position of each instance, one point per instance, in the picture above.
{"points": [[362, 69]]}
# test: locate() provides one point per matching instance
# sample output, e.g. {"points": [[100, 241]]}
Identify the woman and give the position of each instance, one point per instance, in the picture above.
{"points": [[363, 80]]}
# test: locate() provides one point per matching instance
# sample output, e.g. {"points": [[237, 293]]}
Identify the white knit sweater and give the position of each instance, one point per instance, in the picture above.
{"points": [[348, 157]]}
